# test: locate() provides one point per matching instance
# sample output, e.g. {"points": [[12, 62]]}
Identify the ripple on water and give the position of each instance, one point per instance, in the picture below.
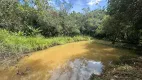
{"points": [[77, 70]]}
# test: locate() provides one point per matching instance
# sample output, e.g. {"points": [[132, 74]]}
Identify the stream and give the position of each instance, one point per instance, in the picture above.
{"points": [[72, 61]]}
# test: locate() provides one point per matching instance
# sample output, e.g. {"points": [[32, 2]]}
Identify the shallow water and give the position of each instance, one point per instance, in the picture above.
{"points": [[73, 61], [77, 70]]}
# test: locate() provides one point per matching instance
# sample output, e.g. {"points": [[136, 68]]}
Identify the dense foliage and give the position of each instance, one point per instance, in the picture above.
{"points": [[121, 21], [34, 17], [124, 21]]}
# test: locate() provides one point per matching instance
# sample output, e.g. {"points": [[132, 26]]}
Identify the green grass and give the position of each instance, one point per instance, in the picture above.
{"points": [[13, 44]]}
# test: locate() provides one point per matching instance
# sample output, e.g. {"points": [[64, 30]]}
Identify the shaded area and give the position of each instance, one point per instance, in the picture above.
{"points": [[128, 68]]}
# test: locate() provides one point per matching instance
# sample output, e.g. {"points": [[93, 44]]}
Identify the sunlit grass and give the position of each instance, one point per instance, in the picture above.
{"points": [[13, 44]]}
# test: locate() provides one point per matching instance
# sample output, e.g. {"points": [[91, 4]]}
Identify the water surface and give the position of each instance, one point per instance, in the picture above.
{"points": [[73, 61], [77, 70]]}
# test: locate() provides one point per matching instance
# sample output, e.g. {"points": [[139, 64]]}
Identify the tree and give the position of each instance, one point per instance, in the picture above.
{"points": [[32, 17], [112, 28], [92, 20], [9, 18], [129, 13]]}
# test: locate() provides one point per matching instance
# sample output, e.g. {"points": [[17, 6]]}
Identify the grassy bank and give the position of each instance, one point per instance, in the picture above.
{"points": [[13, 45]]}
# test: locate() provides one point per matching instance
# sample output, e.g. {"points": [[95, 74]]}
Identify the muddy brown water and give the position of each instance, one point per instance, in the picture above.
{"points": [[72, 61]]}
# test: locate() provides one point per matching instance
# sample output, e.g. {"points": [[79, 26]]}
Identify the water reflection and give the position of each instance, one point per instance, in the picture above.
{"points": [[77, 70]]}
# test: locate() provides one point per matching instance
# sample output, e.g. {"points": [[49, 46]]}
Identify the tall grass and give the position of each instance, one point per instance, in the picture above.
{"points": [[13, 44]]}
